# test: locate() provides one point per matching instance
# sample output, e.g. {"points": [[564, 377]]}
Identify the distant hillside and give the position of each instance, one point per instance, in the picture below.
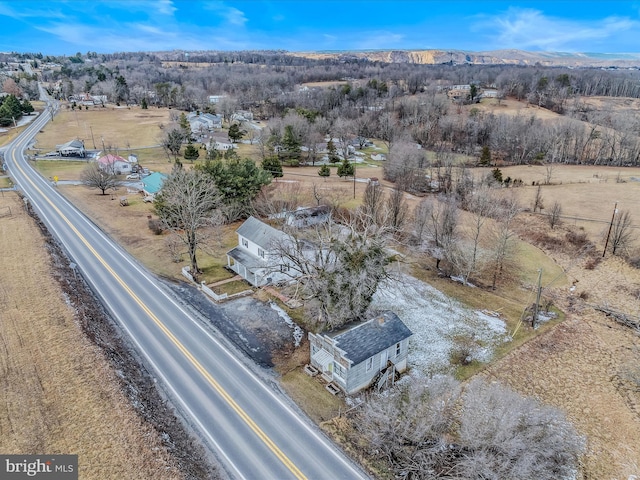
{"points": [[495, 57]]}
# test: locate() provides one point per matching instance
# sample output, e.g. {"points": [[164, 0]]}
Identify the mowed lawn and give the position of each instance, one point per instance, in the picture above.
{"points": [[59, 394]]}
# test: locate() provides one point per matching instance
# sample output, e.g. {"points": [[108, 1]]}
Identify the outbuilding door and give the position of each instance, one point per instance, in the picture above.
{"points": [[384, 356]]}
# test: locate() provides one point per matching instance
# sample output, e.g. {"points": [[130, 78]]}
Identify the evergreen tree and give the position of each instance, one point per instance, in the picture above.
{"points": [[485, 156], [345, 169], [143, 103], [332, 152], [238, 181], [273, 166], [191, 153], [236, 133], [184, 126], [324, 171], [290, 146], [27, 107]]}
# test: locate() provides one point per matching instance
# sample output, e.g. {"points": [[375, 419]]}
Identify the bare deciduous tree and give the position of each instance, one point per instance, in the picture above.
{"points": [[373, 204], [396, 210], [441, 226], [622, 234], [554, 214], [340, 266], [538, 202], [186, 206], [95, 177], [468, 257], [503, 250]]}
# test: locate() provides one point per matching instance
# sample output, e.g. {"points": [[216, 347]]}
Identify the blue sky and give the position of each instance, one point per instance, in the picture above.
{"points": [[70, 26]]}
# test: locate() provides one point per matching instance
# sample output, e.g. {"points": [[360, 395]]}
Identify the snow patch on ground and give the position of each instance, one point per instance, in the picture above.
{"points": [[298, 333], [436, 321]]}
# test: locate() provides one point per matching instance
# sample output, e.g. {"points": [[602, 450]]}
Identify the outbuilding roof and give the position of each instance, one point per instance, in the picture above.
{"points": [[153, 182], [371, 337]]}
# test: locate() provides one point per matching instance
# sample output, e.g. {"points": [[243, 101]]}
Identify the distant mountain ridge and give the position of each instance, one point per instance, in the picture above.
{"points": [[494, 57]]}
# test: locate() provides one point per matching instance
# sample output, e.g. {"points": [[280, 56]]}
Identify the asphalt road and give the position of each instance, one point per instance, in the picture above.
{"points": [[248, 425]]}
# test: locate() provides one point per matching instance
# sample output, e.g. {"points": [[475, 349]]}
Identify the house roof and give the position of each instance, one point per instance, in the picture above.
{"points": [[260, 233], [214, 118], [110, 159], [373, 336], [153, 182], [71, 144]]}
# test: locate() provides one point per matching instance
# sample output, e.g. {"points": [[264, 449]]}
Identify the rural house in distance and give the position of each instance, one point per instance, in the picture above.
{"points": [[352, 358]]}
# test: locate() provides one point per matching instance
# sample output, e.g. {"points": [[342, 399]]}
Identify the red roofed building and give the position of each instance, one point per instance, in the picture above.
{"points": [[114, 164]]}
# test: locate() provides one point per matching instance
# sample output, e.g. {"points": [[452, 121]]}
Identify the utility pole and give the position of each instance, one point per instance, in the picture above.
{"points": [[606, 243], [536, 307], [93, 139], [354, 180]]}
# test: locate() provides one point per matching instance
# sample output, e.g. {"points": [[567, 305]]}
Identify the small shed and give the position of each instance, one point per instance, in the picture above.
{"points": [[152, 184]]}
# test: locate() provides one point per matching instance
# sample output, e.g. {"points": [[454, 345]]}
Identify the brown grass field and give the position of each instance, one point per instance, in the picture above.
{"points": [[574, 364], [59, 394]]}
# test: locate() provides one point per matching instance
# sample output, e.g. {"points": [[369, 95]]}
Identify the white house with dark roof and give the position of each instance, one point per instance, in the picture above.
{"points": [[256, 258], [352, 358], [73, 148], [201, 123]]}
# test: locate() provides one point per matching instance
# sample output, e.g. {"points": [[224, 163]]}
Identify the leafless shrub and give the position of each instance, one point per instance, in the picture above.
{"points": [[635, 262], [545, 240], [509, 436], [463, 350], [428, 429], [578, 240], [156, 226], [554, 214], [584, 295], [593, 262]]}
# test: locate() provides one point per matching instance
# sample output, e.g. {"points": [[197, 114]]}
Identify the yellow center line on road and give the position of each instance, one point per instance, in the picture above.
{"points": [[218, 388]]}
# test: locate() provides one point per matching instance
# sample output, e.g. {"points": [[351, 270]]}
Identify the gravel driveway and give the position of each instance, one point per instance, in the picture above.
{"points": [[253, 326]]}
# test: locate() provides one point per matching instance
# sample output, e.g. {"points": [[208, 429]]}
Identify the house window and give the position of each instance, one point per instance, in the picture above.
{"points": [[261, 252], [398, 349], [245, 243], [284, 268], [339, 370], [369, 364]]}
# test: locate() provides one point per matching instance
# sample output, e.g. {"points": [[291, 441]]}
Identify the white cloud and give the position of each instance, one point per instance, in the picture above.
{"points": [[7, 10], [138, 37], [230, 14], [165, 7], [531, 29]]}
